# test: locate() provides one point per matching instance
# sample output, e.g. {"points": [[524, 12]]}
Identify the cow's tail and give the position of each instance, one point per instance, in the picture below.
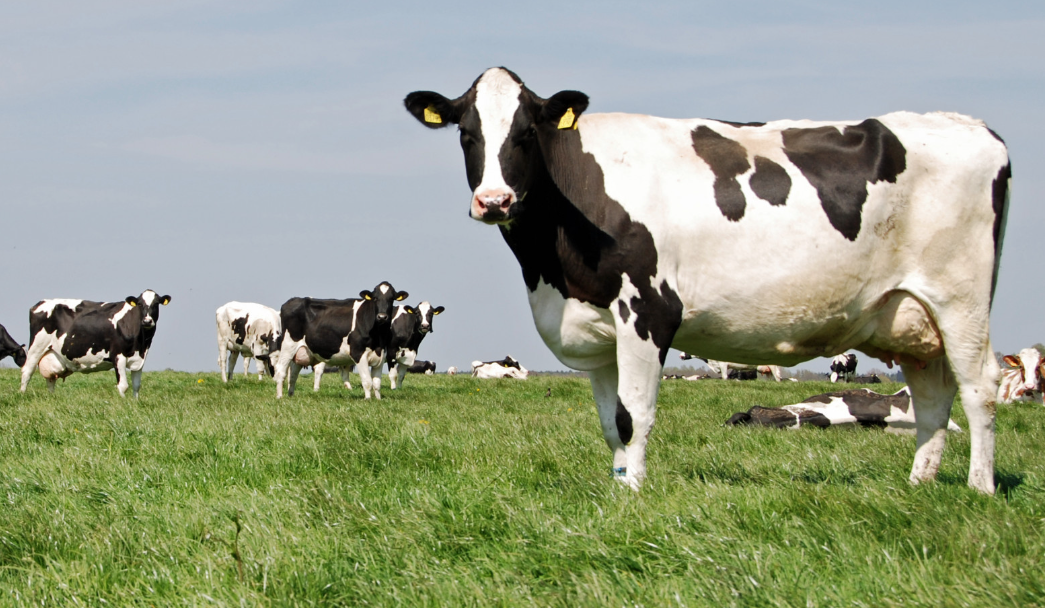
{"points": [[1000, 200]]}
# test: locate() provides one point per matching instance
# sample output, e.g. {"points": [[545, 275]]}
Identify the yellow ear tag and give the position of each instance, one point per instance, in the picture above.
{"points": [[132, 303], [432, 116], [567, 119]]}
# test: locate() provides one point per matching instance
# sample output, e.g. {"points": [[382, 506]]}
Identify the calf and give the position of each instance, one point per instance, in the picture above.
{"points": [[10, 348], [341, 332], [82, 336], [1021, 381], [409, 328], [844, 367], [248, 329], [862, 407], [505, 368]]}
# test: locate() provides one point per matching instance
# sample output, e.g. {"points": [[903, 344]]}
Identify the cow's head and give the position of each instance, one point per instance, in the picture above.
{"points": [[499, 119], [264, 348], [149, 305], [384, 297], [425, 312], [1031, 366]]}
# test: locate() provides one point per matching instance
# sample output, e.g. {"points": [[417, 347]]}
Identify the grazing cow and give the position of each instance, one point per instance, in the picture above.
{"points": [[620, 223], [860, 406], [505, 368], [11, 348], [71, 336], [248, 329], [1021, 381], [421, 367], [731, 371], [843, 366], [409, 328], [341, 332]]}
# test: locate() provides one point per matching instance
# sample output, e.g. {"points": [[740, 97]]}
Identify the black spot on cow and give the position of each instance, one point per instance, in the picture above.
{"points": [[739, 124], [727, 160], [239, 329], [869, 409], [624, 312], [840, 164], [770, 182], [624, 426], [999, 199], [779, 418]]}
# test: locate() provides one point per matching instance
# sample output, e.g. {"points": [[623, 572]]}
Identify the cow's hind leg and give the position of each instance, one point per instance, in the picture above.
{"points": [[977, 374], [345, 377], [932, 394], [295, 369], [400, 373], [223, 364], [36, 351], [51, 382], [230, 369], [317, 376], [246, 366], [121, 375]]}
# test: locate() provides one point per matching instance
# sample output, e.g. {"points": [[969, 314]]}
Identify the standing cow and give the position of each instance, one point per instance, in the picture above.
{"points": [[248, 329], [339, 332], [9, 347], [621, 223], [71, 336], [409, 328], [844, 367]]}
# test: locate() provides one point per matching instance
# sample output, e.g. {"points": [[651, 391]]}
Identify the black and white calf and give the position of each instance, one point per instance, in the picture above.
{"points": [[345, 333], [9, 347], [621, 223], [248, 329], [71, 336], [733, 371], [844, 367], [409, 328], [505, 368], [861, 406]]}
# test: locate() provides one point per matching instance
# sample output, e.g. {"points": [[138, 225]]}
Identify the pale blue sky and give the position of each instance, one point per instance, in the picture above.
{"points": [[259, 150]]}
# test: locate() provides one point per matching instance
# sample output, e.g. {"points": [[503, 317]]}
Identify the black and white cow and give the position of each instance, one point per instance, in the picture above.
{"points": [[9, 347], [71, 336], [861, 406], [346, 333], [843, 366], [505, 368], [421, 367], [623, 225], [409, 328], [251, 330], [870, 379], [732, 371]]}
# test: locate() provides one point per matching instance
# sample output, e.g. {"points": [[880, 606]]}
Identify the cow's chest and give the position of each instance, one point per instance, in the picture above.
{"points": [[580, 335]]}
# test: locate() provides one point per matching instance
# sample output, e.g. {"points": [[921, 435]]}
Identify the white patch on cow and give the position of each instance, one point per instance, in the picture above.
{"points": [[120, 314], [836, 410], [496, 100], [149, 296], [422, 311], [47, 306], [383, 288], [580, 335]]}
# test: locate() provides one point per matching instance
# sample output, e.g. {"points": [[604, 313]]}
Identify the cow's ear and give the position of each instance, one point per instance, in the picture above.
{"points": [[132, 300], [402, 295], [365, 295], [437, 310], [1011, 360], [165, 300], [432, 109], [563, 109], [410, 310]]}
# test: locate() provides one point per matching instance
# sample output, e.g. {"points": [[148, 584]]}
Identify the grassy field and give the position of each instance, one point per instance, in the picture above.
{"points": [[453, 491]]}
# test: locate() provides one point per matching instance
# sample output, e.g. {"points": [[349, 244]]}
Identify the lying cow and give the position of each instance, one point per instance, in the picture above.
{"points": [[870, 379], [844, 367], [248, 329], [71, 336], [10, 348], [505, 368], [451, 371], [1021, 381], [861, 406], [726, 370], [421, 367], [409, 327], [340, 332]]}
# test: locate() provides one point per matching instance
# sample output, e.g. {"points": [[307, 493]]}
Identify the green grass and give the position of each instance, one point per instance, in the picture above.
{"points": [[453, 491]]}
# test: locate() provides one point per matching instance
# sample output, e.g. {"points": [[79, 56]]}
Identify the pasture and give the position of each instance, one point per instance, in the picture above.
{"points": [[454, 491]]}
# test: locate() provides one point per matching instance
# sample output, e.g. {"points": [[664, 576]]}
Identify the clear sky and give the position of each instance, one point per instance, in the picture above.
{"points": [[259, 150]]}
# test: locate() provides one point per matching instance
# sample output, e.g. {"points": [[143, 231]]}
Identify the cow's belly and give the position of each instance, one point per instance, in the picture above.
{"points": [[93, 361], [580, 335], [324, 351]]}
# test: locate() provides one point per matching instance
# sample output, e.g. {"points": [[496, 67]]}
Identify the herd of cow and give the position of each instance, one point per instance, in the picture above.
{"points": [[637, 234]]}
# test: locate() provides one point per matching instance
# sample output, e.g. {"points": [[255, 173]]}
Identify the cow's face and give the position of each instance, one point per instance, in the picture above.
{"points": [[1031, 367], [499, 119], [384, 297], [425, 312], [149, 303], [19, 356]]}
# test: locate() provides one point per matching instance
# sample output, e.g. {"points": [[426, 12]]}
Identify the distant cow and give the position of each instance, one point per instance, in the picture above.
{"points": [[340, 332], [844, 367], [409, 327], [451, 371], [731, 371], [1022, 380], [10, 348], [505, 368], [248, 329], [71, 336], [871, 379], [860, 406]]}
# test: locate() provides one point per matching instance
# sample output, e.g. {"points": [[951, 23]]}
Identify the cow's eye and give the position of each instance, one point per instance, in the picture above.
{"points": [[526, 136]]}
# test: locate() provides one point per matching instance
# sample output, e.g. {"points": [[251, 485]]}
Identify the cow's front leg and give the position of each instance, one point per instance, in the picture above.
{"points": [[34, 354], [223, 364], [375, 375], [639, 366], [230, 368], [121, 375], [345, 377], [317, 376], [364, 377], [136, 381], [295, 369], [246, 366], [604, 389], [393, 375]]}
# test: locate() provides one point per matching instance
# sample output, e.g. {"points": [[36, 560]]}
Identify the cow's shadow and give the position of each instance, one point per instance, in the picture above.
{"points": [[1005, 483]]}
